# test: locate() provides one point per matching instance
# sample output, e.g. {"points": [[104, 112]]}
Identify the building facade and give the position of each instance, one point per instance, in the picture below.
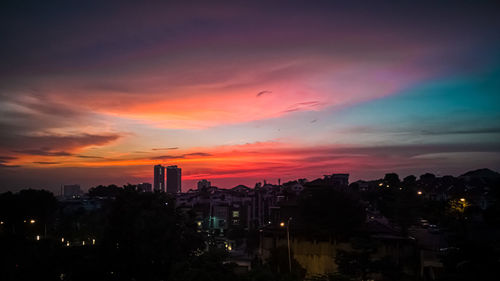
{"points": [[203, 184], [159, 178], [72, 191], [173, 179]]}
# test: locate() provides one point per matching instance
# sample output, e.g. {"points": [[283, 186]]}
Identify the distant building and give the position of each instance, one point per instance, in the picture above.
{"points": [[173, 179], [338, 180], [159, 178], [203, 184], [144, 187], [72, 191]]}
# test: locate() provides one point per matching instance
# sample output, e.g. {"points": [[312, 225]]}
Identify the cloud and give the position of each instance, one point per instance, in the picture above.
{"points": [[89, 157], [263, 93], [197, 154], [4, 159], [9, 166], [166, 157], [308, 105], [43, 152], [182, 156], [54, 145], [447, 131], [46, 162], [165, 148]]}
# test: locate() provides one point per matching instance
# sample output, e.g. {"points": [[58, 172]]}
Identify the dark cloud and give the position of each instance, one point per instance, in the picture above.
{"points": [[166, 157], [8, 166], [24, 112], [165, 148], [182, 156], [89, 157], [27, 118], [53, 145], [263, 93], [4, 162], [446, 131], [46, 163], [198, 154], [43, 152], [4, 159], [302, 106]]}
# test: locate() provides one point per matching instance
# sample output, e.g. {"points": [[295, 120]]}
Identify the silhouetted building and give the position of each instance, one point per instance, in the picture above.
{"points": [[144, 187], [173, 179], [159, 178], [338, 180], [72, 191], [203, 184]]}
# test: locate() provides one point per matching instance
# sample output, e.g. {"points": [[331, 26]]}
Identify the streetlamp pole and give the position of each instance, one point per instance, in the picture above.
{"points": [[288, 239]]}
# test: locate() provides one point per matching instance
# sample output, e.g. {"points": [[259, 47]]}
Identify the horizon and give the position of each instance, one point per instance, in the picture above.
{"points": [[57, 190], [237, 93]]}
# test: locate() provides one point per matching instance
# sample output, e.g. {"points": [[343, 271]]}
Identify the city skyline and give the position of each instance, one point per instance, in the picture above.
{"points": [[238, 93]]}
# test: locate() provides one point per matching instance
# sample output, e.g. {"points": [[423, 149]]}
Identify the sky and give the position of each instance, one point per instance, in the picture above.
{"points": [[237, 92]]}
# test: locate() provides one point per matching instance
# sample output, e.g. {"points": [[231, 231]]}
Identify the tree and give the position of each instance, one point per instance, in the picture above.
{"points": [[279, 264], [401, 207], [392, 179], [409, 181], [327, 211], [105, 191], [147, 235], [35, 207]]}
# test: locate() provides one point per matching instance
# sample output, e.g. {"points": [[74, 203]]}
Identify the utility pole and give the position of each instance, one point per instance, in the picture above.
{"points": [[288, 238]]}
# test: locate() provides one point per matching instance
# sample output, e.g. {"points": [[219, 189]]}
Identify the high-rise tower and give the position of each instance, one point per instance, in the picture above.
{"points": [[159, 178], [173, 179]]}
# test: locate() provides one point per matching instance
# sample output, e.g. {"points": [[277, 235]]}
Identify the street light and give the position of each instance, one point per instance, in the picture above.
{"points": [[282, 224], [419, 192], [32, 221]]}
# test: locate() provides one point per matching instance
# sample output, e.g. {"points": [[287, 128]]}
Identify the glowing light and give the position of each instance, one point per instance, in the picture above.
{"points": [[419, 192], [83, 243], [462, 199], [38, 238], [198, 223], [380, 184], [1, 222], [67, 243], [93, 241], [32, 221], [62, 240], [282, 224], [229, 248]]}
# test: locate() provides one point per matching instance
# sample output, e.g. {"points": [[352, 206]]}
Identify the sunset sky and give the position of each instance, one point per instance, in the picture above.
{"points": [[238, 92]]}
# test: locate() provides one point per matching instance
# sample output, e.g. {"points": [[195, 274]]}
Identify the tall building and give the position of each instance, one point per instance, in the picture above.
{"points": [[159, 179], [72, 191], [173, 179], [337, 180], [144, 187], [203, 184]]}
